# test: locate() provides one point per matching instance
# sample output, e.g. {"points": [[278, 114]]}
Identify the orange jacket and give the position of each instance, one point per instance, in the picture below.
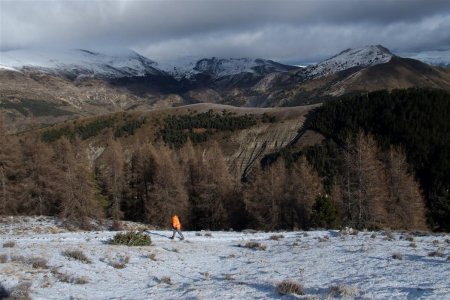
{"points": [[176, 222]]}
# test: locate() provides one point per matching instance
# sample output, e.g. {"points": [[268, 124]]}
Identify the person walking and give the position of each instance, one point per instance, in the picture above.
{"points": [[176, 227]]}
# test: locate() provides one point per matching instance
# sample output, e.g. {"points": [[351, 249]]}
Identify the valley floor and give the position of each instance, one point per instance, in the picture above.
{"points": [[217, 265]]}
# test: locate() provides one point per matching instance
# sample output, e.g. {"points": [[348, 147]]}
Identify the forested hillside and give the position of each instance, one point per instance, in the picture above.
{"points": [[413, 121], [383, 164]]}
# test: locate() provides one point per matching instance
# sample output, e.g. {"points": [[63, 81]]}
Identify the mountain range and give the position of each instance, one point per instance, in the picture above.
{"points": [[48, 86]]}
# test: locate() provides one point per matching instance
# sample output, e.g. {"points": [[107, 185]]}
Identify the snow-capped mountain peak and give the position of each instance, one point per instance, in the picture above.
{"points": [[358, 57], [79, 62]]}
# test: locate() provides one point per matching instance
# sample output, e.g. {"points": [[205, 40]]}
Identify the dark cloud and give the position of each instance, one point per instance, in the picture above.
{"points": [[284, 30]]}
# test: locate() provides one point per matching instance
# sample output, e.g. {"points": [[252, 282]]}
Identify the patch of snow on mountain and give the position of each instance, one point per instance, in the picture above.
{"points": [[79, 62], [221, 67], [359, 57], [182, 67], [437, 57]]}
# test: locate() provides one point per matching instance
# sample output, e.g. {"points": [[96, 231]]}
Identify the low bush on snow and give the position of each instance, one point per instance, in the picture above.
{"points": [[287, 287], [131, 239], [77, 255]]}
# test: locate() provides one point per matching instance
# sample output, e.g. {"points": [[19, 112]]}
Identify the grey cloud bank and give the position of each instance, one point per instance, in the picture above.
{"points": [[289, 31]]}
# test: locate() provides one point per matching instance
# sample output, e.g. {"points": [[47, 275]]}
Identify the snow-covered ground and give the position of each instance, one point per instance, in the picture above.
{"points": [[215, 265]]}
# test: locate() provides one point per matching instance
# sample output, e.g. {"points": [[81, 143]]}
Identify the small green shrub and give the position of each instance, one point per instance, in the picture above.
{"points": [[287, 287], [324, 214], [131, 239]]}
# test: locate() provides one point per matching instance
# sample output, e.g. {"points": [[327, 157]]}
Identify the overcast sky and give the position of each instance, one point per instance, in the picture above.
{"points": [[287, 31]]}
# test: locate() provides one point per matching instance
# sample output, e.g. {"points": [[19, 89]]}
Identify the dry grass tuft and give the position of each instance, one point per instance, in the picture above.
{"points": [[409, 238], [20, 291], [166, 280], [228, 277], [277, 237], [287, 287], [118, 262], [324, 239], [9, 244], [69, 279], [254, 246], [3, 258], [152, 256], [397, 255], [38, 263], [436, 254], [343, 291], [77, 255]]}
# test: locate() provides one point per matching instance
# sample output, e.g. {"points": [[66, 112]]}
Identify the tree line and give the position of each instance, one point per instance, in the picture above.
{"points": [[148, 182]]}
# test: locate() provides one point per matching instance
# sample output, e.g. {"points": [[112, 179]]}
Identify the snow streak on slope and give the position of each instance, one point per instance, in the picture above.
{"points": [[359, 57], [436, 58], [219, 266], [79, 62]]}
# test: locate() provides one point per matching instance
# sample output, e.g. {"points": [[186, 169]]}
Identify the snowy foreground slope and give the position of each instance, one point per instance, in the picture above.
{"points": [[214, 265]]}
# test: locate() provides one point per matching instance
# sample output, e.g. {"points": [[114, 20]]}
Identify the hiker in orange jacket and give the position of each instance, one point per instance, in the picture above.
{"points": [[176, 227]]}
